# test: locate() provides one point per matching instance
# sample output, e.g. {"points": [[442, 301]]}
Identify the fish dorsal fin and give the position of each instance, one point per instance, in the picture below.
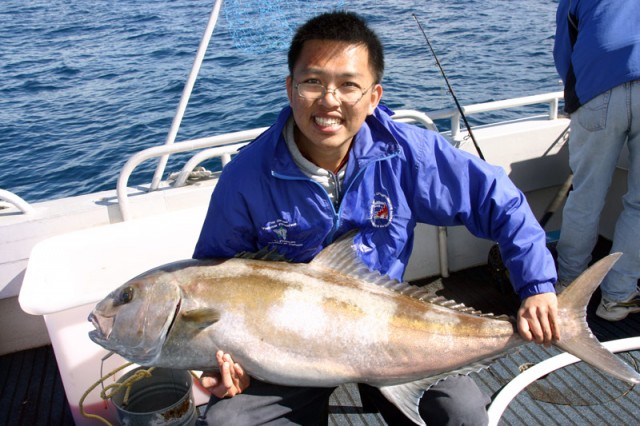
{"points": [[406, 396], [342, 256], [461, 307], [266, 253]]}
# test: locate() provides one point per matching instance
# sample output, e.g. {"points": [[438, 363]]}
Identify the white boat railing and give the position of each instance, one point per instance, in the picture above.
{"points": [[226, 144], [16, 201], [221, 146], [181, 179], [552, 99]]}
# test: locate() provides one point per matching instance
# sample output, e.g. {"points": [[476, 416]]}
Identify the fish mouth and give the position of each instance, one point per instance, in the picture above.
{"points": [[140, 343], [103, 327]]}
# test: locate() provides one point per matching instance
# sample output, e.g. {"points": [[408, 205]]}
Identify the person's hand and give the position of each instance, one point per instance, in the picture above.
{"points": [[538, 319], [229, 381]]}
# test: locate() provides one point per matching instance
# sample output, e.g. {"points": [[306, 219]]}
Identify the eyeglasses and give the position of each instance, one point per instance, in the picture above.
{"points": [[344, 94]]}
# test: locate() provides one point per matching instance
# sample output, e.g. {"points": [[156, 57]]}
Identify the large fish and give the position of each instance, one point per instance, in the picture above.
{"points": [[325, 323]]}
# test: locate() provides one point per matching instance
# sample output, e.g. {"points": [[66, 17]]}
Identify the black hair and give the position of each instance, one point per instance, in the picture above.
{"points": [[339, 26]]}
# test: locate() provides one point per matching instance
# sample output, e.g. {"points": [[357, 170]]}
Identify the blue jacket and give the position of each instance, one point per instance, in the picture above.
{"points": [[597, 47], [397, 175]]}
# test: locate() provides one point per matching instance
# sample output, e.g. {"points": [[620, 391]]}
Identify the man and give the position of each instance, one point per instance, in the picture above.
{"points": [[597, 54], [334, 159]]}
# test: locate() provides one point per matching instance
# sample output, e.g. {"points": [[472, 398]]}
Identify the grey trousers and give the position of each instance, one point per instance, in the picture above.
{"points": [[454, 401]]}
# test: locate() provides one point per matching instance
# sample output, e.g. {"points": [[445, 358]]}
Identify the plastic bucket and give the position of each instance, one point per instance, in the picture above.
{"points": [[165, 398]]}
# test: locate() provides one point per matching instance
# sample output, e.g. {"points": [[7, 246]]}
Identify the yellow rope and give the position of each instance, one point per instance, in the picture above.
{"points": [[109, 391], [138, 375], [117, 387]]}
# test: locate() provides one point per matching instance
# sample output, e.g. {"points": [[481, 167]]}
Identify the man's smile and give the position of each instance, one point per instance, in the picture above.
{"points": [[332, 122]]}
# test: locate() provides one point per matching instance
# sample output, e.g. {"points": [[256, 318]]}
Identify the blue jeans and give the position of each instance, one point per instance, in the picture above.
{"points": [[599, 130]]}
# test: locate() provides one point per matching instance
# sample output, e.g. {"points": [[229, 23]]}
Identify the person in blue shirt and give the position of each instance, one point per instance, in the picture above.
{"points": [[597, 54], [335, 161]]}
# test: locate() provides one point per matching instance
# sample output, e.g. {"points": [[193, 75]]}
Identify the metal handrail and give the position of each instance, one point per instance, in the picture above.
{"points": [[15, 200], [158, 151], [223, 145], [219, 146], [553, 99], [224, 152], [400, 115], [405, 116], [413, 116]]}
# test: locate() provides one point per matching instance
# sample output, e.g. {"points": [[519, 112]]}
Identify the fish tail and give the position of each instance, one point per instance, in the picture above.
{"points": [[579, 340]]}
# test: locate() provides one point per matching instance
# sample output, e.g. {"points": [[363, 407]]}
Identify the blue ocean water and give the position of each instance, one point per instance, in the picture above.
{"points": [[84, 85]]}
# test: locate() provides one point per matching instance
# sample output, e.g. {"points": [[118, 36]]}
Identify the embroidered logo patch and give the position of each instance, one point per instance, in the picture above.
{"points": [[381, 212], [280, 230]]}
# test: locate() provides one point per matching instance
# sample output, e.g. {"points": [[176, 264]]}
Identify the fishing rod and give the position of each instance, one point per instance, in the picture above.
{"points": [[453, 95]]}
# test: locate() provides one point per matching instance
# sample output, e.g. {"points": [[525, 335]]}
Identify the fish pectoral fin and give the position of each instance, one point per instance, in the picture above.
{"points": [[407, 396], [201, 317]]}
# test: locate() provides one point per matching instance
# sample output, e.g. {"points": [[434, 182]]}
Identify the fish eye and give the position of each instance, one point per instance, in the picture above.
{"points": [[125, 296]]}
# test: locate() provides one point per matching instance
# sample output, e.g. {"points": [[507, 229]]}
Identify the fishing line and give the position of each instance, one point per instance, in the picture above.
{"points": [[453, 95]]}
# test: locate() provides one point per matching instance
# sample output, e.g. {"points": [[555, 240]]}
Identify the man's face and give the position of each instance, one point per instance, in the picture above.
{"points": [[326, 126]]}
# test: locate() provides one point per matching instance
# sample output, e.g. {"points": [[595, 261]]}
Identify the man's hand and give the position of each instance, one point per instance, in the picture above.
{"points": [[538, 319], [229, 381]]}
